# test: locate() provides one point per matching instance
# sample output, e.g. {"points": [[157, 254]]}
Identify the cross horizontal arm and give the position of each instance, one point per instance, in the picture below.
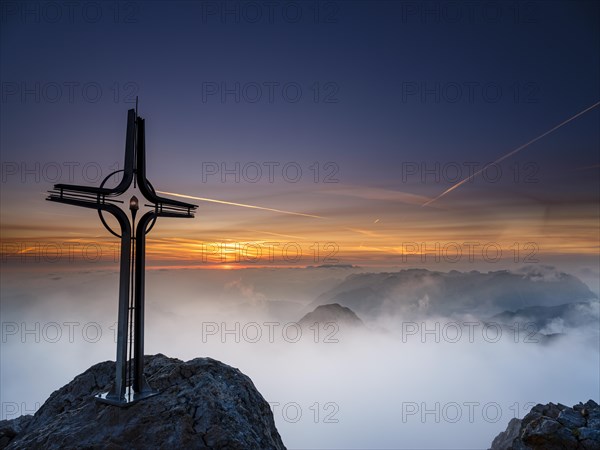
{"points": [[66, 194], [92, 204], [85, 189], [168, 211]]}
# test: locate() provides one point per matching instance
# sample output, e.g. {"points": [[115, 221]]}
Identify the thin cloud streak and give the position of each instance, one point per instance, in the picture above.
{"points": [[509, 154], [223, 202]]}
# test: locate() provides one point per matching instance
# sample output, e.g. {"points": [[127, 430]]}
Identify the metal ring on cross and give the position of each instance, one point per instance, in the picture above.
{"points": [[102, 216]]}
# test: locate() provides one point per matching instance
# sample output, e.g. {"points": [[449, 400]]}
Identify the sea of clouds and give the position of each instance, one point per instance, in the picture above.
{"points": [[414, 376]]}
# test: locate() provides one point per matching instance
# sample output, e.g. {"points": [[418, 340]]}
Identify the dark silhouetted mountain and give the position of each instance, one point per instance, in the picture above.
{"points": [[420, 292], [332, 313], [553, 427], [203, 404]]}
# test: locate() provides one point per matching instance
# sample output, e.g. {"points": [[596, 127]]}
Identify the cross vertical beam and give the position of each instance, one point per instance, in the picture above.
{"points": [[139, 382], [118, 390]]}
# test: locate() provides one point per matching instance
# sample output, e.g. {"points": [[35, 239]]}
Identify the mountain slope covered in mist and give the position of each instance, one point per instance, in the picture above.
{"points": [[553, 319], [421, 292]]}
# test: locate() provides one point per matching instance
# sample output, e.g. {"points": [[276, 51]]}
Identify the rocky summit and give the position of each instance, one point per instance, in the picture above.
{"points": [[203, 404], [553, 427]]}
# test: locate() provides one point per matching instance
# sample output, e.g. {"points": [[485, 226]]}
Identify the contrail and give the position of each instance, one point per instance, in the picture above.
{"points": [[509, 154], [223, 202]]}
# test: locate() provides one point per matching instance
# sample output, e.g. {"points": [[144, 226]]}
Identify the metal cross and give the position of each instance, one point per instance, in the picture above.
{"points": [[130, 384]]}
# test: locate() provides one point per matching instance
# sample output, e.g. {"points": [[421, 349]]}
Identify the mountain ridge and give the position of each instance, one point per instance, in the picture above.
{"points": [[414, 292]]}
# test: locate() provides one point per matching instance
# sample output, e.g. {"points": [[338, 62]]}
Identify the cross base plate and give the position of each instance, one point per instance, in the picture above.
{"points": [[128, 399]]}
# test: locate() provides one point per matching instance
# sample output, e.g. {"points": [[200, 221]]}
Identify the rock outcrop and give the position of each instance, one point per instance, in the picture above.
{"points": [[203, 404], [553, 427]]}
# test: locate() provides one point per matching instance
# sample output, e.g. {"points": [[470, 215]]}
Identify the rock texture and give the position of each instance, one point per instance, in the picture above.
{"points": [[553, 427], [203, 404]]}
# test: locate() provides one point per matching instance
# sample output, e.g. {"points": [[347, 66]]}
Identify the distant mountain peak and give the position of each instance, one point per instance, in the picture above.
{"points": [[332, 312]]}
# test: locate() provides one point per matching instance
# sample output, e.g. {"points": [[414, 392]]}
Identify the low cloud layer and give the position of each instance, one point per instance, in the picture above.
{"points": [[415, 381]]}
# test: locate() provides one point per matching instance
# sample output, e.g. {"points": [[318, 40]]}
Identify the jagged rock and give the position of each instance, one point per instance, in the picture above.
{"points": [[571, 418], [553, 427], [9, 429], [506, 438], [203, 404], [592, 414]]}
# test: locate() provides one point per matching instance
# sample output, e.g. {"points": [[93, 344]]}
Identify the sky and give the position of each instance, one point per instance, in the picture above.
{"points": [[353, 136], [356, 112]]}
